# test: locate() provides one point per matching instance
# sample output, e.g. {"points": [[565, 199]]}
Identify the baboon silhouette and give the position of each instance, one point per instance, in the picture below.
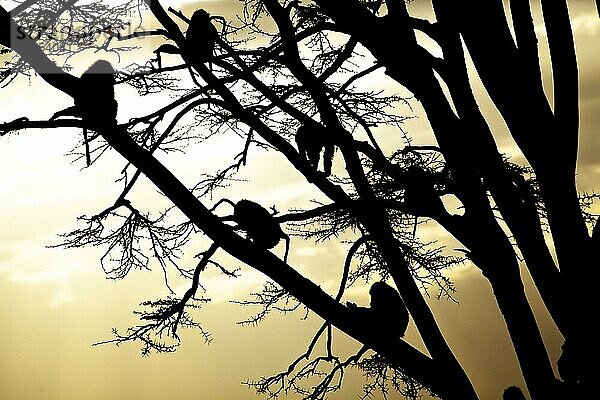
{"points": [[387, 310], [95, 101], [311, 141], [258, 223], [201, 37], [513, 393]]}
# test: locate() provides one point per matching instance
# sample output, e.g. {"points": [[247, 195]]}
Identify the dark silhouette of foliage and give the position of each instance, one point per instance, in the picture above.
{"points": [[289, 68]]}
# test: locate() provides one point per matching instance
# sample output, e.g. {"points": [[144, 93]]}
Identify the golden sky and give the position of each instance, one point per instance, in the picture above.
{"points": [[55, 303]]}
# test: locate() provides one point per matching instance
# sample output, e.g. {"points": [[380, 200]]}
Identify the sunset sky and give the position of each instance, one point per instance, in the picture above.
{"points": [[55, 303]]}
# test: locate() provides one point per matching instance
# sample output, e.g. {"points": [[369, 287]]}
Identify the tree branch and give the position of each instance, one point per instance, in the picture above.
{"points": [[527, 42], [11, 36], [396, 351], [179, 307]]}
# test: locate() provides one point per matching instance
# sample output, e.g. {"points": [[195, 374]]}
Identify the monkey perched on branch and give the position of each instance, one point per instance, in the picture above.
{"points": [[95, 101], [387, 313], [201, 37], [258, 223], [513, 393], [311, 140]]}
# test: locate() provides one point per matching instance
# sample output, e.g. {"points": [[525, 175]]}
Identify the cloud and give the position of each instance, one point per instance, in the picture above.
{"points": [[51, 271], [588, 23]]}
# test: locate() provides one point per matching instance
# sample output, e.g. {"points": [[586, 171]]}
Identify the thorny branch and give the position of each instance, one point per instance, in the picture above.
{"points": [[161, 335]]}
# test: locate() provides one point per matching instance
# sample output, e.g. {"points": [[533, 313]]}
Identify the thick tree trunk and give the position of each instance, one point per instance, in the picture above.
{"points": [[491, 251], [531, 121], [515, 203], [525, 336], [509, 293]]}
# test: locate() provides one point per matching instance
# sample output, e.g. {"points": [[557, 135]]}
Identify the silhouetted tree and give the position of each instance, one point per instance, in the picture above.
{"points": [[301, 65]]}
